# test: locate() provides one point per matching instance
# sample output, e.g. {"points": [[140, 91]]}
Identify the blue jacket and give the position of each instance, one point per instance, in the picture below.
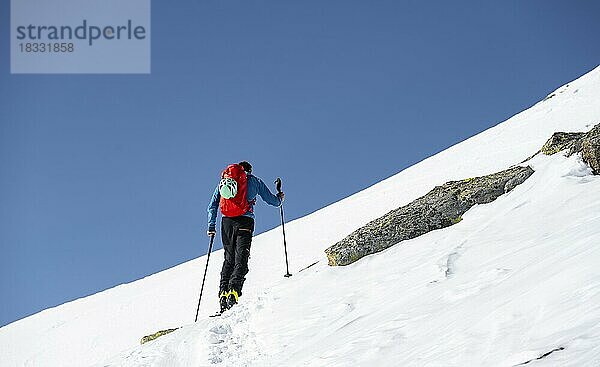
{"points": [[255, 187]]}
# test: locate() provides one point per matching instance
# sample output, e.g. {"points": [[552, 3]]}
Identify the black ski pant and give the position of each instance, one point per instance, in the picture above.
{"points": [[236, 234]]}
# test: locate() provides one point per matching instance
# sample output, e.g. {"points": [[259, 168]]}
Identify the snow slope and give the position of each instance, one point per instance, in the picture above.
{"points": [[516, 279]]}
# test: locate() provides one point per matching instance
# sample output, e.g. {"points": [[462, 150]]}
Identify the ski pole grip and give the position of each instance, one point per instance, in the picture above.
{"points": [[278, 184]]}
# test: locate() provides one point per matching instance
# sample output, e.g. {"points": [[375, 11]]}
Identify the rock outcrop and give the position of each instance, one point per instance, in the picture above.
{"points": [[444, 205], [586, 144], [590, 149], [158, 334], [561, 141], [441, 207]]}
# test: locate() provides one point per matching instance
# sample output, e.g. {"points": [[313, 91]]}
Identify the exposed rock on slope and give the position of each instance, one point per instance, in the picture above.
{"points": [[590, 149], [561, 141], [588, 144], [441, 207], [158, 334], [444, 205]]}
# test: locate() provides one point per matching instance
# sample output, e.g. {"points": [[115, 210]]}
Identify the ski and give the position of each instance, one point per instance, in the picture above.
{"points": [[216, 314], [315, 263]]}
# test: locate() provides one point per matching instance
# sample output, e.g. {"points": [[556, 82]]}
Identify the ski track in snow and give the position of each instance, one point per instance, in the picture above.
{"points": [[516, 282], [219, 341], [232, 342]]}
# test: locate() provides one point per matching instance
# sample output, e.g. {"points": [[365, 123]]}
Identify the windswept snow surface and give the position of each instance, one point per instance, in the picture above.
{"points": [[515, 280]]}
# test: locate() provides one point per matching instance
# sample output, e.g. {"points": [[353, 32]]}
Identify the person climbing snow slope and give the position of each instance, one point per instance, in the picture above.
{"points": [[235, 196]]}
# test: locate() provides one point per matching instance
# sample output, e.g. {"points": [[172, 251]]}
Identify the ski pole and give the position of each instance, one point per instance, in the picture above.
{"points": [[287, 268], [212, 238]]}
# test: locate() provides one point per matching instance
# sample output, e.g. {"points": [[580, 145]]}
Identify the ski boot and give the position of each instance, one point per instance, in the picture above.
{"points": [[232, 298], [223, 301]]}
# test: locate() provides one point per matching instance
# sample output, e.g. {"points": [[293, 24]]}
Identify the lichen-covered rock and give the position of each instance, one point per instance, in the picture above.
{"points": [[586, 144], [151, 337], [441, 207], [561, 141], [590, 149]]}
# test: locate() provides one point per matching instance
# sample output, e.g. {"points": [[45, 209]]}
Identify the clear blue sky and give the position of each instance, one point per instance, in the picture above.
{"points": [[105, 179]]}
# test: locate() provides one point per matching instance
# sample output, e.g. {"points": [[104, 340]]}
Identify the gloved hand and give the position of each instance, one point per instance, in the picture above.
{"points": [[281, 196], [211, 231]]}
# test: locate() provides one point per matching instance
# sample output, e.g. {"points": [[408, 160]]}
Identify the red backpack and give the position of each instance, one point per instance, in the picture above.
{"points": [[237, 205]]}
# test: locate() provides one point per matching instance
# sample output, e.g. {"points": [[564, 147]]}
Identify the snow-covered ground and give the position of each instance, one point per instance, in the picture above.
{"points": [[514, 280]]}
